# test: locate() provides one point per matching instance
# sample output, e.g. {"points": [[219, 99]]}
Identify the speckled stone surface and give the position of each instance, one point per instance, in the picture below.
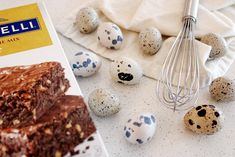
{"points": [[171, 138]]}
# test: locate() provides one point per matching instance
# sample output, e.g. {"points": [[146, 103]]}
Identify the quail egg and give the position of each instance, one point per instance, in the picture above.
{"points": [[126, 70], [110, 35], [85, 63], [87, 20], [222, 89], [203, 119], [103, 103], [217, 43], [140, 128], [150, 40]]}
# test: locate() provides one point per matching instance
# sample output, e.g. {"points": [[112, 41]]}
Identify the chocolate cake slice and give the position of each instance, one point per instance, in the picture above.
{"points": [[56, 133], [27, 92]]}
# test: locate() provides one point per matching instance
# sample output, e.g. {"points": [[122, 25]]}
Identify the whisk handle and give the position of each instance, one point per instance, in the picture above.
{"points": [[191, 8]]}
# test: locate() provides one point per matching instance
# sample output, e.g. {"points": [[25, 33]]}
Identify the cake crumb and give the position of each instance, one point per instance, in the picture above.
{"points": [[58, 154]]}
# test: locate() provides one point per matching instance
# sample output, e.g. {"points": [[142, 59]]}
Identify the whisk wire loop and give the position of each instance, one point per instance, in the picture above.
{"points": [[178, 85]]}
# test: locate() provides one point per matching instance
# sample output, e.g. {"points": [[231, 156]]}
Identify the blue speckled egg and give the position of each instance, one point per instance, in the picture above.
{"points": [[85, 63], [110, 35], [140, 128]]}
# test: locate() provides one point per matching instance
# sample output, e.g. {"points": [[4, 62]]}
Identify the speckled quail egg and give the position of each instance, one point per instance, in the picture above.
{"points": [[85, 63], [126, 70], [110, 35], [140, 128], [217, 43], [204, 119], [222, 89], [150, 40], [87, 20], [103, 103]]}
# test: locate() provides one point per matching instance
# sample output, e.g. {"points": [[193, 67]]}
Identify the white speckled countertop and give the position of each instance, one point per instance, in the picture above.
{"points": [[171, 138]]}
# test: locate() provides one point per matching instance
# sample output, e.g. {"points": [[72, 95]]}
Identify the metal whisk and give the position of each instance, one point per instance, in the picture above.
{"points": [[178, 85]]}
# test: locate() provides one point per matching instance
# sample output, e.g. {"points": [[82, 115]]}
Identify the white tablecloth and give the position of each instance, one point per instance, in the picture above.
{"points": [[135, 15]]}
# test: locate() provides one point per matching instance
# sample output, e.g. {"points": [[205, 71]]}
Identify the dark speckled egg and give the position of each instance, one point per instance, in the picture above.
{"points": [[126, 70], [203, 119], [222, 89]]}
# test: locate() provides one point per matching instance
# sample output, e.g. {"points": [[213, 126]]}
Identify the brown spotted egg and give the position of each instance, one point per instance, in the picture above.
{"points": [[110, 35], [103, 103], [222, 89], [203, 119], [150, 40], [87, 20], [217, 43]]}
